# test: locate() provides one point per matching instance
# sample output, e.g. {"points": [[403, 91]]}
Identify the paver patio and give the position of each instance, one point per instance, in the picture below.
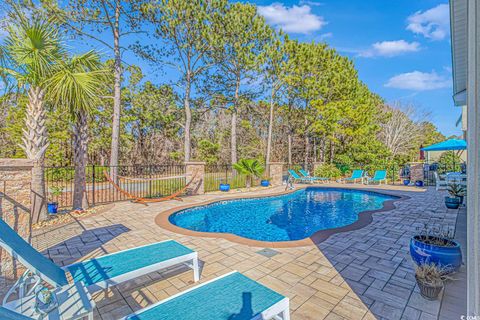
{"points": [[361, 274]]}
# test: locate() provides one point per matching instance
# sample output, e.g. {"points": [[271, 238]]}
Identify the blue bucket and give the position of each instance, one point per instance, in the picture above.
{"points": [[52, 207]]}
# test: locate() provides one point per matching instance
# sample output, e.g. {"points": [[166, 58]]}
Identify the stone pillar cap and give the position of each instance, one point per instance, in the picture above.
{"points": [[16, 163], [194, 163]]}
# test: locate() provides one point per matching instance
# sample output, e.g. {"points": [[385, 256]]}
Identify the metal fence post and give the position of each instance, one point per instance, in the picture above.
{"points": [[93, 185]]}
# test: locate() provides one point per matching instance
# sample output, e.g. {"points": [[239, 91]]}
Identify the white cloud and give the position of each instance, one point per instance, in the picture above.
{"points": [[390, 48], [311, 3], [432, 24], [419, 81], [295, 19]]}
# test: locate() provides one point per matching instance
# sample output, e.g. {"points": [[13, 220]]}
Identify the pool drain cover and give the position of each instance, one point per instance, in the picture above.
{"points": [[268, 252]]}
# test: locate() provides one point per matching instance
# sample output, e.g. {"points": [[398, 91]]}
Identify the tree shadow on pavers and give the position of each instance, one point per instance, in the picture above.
{"points": [[89, 241], [373, 262]]}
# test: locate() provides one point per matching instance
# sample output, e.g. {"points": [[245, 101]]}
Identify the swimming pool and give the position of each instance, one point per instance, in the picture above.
{"points": [[289, 217]]}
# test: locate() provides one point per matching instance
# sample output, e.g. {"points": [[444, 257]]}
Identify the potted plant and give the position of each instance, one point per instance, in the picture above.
{"points": [[419, 183], [457, 192], [52, 206], [251, 168], [406, 182], [430, 280], [436, 246]]}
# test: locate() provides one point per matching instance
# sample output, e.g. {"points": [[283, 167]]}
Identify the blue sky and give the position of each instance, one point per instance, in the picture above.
{"points": [[400, 47]]}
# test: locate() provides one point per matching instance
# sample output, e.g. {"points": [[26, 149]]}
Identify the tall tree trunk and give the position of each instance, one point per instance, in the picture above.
{"points": [[80, 142], [314, 150], [188, 121], [289, 148], [233, 138], [322, 150], [307, 144], [332, 151], [35, 143], [270, 129], [117, 102]]}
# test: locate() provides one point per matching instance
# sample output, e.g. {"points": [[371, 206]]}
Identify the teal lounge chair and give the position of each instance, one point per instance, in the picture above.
{"points": [[297, 178], [307, 175], [379, 176], [229, 297], [6, 314], [356, 175], [97, 273]]}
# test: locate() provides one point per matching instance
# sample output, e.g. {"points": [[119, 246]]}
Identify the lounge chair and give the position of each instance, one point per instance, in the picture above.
{"points": [[307, 175], [232, 296], [297, 178], [379, 176], [97, 273], [440, 184], [356, 175], [6, 314]]}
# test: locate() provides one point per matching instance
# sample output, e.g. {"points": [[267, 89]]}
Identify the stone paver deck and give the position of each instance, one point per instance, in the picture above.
{"points": [[360, 274]]}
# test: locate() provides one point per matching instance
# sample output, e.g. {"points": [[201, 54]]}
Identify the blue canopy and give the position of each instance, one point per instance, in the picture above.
{"points": [[452, 144]]}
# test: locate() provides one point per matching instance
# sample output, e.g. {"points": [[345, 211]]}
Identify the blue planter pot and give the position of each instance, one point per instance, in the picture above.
{"points": [[52, 207], [406, 182], [419, 183], [224, 187], [264, 183], [448, 257], [452, 203]]}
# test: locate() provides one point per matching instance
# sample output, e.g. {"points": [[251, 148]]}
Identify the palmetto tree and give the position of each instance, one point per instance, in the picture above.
{"points": [[76, 85], [249, 167], [30, 54]]}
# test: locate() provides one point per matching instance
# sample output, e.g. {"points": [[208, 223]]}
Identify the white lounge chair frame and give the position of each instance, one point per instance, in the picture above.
{"points": [[190, 260], [279, 311], [26, 284]]}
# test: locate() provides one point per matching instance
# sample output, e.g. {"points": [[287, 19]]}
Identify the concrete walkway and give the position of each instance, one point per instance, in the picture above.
{"points": [[361, 274]]}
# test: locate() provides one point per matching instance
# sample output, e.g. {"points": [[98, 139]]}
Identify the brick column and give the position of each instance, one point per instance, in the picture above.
{"points": [[276, 173], [15, 185], [198, 169], [416, 171]]}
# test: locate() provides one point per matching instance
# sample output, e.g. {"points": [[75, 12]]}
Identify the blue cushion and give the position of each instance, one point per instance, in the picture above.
{"points": [[31, 258], [233, 297], [109, 266], [6, 314]]}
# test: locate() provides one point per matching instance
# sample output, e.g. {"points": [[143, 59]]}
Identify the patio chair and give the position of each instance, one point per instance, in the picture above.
{"points": [[97, 273], [231, 296], [296, 177], [379, 176], [440, 184], [356, 175], [307, 175]]}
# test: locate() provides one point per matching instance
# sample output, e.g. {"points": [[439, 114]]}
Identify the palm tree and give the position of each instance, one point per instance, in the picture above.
{"points": [[30, 53], [76, 85], [249, 167]]}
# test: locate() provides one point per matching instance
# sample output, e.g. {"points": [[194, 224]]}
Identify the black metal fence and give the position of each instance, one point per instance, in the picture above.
{"points": [[143, 181], [224, 173]]}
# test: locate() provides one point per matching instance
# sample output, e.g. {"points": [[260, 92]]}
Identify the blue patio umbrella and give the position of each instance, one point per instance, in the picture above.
{"points": [[451, 144], [448, 145]]}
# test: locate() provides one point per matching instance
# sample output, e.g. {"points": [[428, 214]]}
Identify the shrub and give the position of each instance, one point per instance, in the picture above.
{"points": [[328, 171]]}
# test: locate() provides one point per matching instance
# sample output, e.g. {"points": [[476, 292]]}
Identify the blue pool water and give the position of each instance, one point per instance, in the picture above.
{"points": [[282, 218]]}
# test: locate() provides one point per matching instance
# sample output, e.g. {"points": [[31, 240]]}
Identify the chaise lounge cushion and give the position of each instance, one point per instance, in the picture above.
{"points": [[232, 297], [110, 266]]}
